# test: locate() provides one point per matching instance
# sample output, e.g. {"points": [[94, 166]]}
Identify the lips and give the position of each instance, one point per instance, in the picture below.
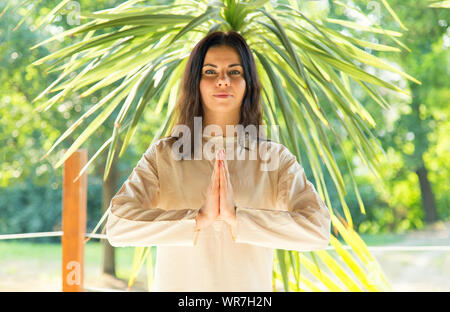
{"points": [[222, 95]]}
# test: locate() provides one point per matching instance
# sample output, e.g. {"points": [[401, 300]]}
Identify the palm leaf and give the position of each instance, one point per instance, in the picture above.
{"points": [[140, 255], [440, 4]]}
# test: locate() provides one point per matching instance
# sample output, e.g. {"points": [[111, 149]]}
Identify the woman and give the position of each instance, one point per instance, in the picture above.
{"points": [[217, 220]]}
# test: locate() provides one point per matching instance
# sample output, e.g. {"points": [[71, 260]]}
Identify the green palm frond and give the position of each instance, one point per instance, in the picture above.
{"points": [[440, 4], [138, 54]]}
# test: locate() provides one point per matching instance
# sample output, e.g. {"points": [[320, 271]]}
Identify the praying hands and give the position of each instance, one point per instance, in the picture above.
{"points": [[219, 197]]}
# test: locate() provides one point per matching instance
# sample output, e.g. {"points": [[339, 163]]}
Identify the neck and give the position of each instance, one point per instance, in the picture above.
{"points": [[221, 120]]}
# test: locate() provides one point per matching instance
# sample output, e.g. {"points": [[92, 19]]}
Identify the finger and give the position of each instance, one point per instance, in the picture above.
{"points": [[216, 177], [225, 163], [217, 170], [227, 173], [214, 174], [219, 154], [220, 159], [217, 193], [223, 180]]}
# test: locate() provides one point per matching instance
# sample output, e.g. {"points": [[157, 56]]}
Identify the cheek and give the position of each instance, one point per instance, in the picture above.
{"points": [[240, 85], [203, 88], [206, 84]]}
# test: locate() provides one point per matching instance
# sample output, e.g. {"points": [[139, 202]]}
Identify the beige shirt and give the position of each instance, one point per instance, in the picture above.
{"points": [[275, 209]]}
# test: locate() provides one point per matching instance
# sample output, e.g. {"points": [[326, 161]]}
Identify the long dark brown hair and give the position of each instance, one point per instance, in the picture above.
{"points": [[189, 101]]}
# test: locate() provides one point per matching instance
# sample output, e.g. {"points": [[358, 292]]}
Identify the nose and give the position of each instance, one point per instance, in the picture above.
{"points": [[223, 80]]}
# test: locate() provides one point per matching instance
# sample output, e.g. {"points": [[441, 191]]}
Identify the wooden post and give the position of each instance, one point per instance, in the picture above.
{"points": [[74, 197]]}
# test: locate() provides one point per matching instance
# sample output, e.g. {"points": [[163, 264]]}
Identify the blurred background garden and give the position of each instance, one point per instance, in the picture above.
{"points": [[408, 206]]}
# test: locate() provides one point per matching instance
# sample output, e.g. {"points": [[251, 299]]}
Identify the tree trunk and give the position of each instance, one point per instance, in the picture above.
{"points": [[428, 200], [108, 190]]}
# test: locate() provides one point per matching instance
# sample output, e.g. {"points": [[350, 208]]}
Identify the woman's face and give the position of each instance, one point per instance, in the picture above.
{"points": [[222, 72]]}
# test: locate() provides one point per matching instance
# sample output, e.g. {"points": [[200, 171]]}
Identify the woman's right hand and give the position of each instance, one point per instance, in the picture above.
{"points": [[210, 210]]}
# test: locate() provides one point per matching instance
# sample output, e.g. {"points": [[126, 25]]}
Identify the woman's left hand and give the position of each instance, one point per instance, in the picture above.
{"points": [[227, 207]]}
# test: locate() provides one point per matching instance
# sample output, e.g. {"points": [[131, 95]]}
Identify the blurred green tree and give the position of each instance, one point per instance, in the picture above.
{"points": [[414, 131]]}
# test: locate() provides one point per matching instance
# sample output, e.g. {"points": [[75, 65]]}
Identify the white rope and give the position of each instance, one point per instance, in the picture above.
{"points": [[100, 236], [58, 233], [103, 236], [45, 234], [401, 248], [30, 235]]}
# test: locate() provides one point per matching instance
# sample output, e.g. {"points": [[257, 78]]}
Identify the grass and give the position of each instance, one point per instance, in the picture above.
{"points": [[51, 252], [47, 259], [382, 239]]}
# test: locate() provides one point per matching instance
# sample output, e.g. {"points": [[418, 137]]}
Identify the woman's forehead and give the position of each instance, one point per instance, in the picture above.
{"points": [[222, 55]]}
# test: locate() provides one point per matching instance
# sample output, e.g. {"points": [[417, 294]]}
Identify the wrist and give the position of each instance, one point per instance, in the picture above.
{"points": [[199, 220], [203, 220], [232, 220]]}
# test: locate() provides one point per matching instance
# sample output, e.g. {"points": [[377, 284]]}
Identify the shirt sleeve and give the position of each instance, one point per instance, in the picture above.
{"points": [[301, 223], [134, 218]]}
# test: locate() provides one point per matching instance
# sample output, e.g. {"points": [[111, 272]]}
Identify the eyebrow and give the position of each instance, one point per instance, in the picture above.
{"points": [[216, 65]]}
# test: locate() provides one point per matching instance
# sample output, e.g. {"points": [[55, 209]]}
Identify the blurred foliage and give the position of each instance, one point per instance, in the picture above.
{"points": [[413, 128], [30, 189]]}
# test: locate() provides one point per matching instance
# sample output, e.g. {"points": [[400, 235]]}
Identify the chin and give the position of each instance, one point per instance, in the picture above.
{"points": [[222, 107]]}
